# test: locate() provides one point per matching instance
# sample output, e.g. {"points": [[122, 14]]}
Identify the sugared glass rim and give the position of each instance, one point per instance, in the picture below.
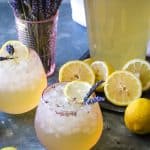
{"points": [[62, 112], [48, 87]]}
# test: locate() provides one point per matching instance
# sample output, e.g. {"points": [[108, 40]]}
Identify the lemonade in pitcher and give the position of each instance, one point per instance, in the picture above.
{"points": [[118, 29]]}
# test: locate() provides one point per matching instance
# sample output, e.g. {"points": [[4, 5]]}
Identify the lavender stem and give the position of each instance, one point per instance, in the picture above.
{"points": [[24, 10], [40, 10], [34, 10], [5, 58], [88, 100], [27, 4], [92, 90]]}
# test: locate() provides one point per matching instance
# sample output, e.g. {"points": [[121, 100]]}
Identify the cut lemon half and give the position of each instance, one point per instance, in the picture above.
{"points": [[76, 70], [20, 50], [8, 148], [102, 70], [88, 61], [122, 87], [75, 91], [140, 68]]}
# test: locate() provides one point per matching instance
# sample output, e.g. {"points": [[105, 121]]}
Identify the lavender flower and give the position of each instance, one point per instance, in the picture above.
{"points": [[16, 6], [41, 9], [94, 100], [34, 10], [28, 7], [88, 100], [54, 6], [10, 49], [48, 8]]}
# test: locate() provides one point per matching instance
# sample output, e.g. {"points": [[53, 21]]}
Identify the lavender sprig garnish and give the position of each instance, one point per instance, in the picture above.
{"points": [[93, 89], [6, 58], [94, 100], [10, 49], [88, 100]]}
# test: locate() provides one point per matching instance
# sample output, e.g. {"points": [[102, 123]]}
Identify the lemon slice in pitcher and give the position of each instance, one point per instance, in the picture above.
{"points": [[14, 49], [76, 70], [140, 68], [122, 87]]}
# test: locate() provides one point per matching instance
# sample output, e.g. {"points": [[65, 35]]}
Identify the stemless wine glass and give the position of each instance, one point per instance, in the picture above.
{"points": [[23, 78], [63, 125]]}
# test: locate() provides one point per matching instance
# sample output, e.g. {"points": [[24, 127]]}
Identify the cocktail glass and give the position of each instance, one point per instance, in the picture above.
{"points": [[63, 125], [23, 80]]}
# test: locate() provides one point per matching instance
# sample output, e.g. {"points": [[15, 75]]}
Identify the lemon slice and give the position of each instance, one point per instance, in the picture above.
{"points": [[141, 69], [122, 87], [8, 148], [76, 70], [76, 91], [88, 61], [20, 50], [102, 70]]}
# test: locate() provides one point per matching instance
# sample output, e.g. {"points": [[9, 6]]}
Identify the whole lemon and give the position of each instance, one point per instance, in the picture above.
{"points": [[8, 148], [137, 116]]}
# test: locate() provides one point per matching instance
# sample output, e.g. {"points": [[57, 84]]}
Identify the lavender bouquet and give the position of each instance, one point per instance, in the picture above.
{"points": [[36, 22], [35, 10]]}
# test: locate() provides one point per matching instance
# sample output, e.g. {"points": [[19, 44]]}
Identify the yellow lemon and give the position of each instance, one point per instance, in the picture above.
{"points": [[8, 148], [137, 116], [14, 49], [140, 68], [76, 70], [102, 70], [122, 87], [76, 90]]}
